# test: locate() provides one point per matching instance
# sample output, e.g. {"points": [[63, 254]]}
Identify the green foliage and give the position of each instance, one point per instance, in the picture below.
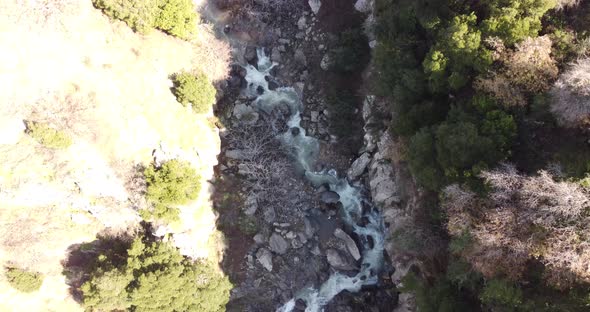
{"points": [[351, 52], [48, 136], [247, 225], [175, 182], [442, 296], [196, 90], [499, 292], [175, 17], [422, 160], [22, 280], [154, 276], [514, 20], [460, 273]]}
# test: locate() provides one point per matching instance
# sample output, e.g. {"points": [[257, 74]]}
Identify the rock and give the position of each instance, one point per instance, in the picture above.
{"points": [[269, 215], [329, 197], [296, 244], [364, 6], [278, 244], [358, 166], [301, 23], [272, 85], [314, 5], [235, 154], [300, 57], [275, 55], [336, 261], [245, 114], [310, 229], [326, 62], [406, 302], [284, 41], [282, 48], [264, 257], [250, 55], [299, 87], [349, 242], [259, 238], [295, 131], [250, 206], [314, 115]]}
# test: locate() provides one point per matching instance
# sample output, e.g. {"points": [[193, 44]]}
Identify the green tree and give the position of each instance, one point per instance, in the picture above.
{"points": [[175, 182], [196, 90], [23, 280], [154, 276], [422, 160], [177, 18]]}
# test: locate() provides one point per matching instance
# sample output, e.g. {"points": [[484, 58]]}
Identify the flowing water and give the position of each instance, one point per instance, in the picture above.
{"points": [[357, 212]]}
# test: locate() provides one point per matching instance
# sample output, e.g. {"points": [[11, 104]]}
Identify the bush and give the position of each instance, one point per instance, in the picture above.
{"points": [[175, 17], [154, 276], [24, 281], [498, 292], [48, 136], [175, 182], [422, 160], [196, 90]]}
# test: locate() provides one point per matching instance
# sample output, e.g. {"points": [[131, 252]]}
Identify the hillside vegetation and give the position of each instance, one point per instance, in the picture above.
{"points": [[87, 105], [491, 98]]}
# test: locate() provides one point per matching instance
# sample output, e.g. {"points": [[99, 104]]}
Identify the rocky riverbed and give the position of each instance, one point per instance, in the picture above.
{"points": [[282, 234]]}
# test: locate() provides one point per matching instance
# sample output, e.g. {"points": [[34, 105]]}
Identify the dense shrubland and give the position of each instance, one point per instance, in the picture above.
{"points": [[475, 84], [151, 275]]}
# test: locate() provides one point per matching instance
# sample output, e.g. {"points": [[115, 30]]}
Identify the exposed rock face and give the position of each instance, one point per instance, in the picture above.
{"points": [[358, 166], [349, 242], [337, 261], [315, 6], [278, 244]]}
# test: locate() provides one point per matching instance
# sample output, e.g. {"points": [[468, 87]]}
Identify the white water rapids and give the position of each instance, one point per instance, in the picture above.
{"points": [[354, 206]]}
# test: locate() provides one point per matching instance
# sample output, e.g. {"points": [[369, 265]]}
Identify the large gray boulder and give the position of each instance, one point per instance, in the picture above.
{"points": [[337, 261], [314, 5], [358, 166], [349, 243], [278, 244], [329, 197], [264, 257]]}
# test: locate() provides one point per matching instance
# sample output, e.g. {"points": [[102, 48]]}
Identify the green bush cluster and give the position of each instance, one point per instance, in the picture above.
{"points": [[48, 136], [196, 90], [175, 17], [174, 183], [24, 281], [154, 276]]}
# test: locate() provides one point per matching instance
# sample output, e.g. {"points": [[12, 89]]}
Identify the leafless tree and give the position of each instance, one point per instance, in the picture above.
{"points": [[571, 94]]}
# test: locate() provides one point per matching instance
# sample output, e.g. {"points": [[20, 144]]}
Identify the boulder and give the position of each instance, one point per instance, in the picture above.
{"points": [[250, 55], [349, 242], [301, 23], [329, 197], [314, 116], [336, 260], [264, 257], [326, 62], [300, 57], [314, 5], [278, 244], [358, 166], [275, 55], [364, 6], [245, 114]]}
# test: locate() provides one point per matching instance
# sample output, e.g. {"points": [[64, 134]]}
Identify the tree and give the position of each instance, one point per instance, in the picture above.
{"points": [[174, 182], [422, 160], [196, 90], [24, 281], [571, 95], [154, 276], [177, 18]]}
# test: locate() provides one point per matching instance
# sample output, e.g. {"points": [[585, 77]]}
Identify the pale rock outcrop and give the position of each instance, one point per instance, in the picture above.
{"points": [[315, 5], [349, 242]]}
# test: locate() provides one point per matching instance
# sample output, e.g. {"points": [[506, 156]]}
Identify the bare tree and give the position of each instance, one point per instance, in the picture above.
{"points": [[571, 94]]}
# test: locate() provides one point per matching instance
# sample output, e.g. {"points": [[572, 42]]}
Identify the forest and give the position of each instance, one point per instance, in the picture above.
{"points": [[491, 99]]}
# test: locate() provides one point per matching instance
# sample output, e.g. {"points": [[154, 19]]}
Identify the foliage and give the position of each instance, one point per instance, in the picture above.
{"points": [[48, 136], [422, 160], [442, 296], [351, 51], [175, 17], [175, 182], [196, 90], [514, 20], [154, 276], [501, 292], [571, 95], [22, 280]]}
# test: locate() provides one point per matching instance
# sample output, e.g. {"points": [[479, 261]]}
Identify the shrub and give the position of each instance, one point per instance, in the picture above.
{"points": [[175, 182], [571, 95], [24, 281], [501, 292], [175, 17], [196, 90], [422, 160], [154, 276], [48, 136]]}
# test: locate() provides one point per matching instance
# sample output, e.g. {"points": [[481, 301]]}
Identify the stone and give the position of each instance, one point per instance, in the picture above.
{"points": [[326, 62], [269, 215], [250, 54], [315, 5], [310, 229], [275, 55], [245, 114], [259, 238], [264, 257], [299, 88], [314, 116], [300, 57], [284, 41], [235, 154], [336, 261], [250, 206], [301, 23], [358, 166], [329, 197], [364, 6], [349, 243], [282, 48], [278, 244], [295, 131]]}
